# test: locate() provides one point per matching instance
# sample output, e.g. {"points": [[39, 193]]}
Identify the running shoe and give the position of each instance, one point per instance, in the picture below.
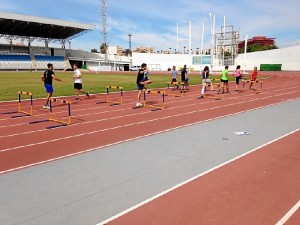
{"points": [[46, 107]]}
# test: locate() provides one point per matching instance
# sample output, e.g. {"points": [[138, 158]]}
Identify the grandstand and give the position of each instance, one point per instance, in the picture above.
{"points": [[28, 57]]}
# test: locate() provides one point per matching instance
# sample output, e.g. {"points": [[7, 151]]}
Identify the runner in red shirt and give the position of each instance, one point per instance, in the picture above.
{"points": [[254, 76]]}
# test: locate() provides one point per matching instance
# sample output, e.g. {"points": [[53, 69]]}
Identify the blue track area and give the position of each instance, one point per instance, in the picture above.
{"points": [[89, 188]]}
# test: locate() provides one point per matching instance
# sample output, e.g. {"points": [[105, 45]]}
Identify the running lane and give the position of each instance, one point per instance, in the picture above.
{"points": [[259, 188]]}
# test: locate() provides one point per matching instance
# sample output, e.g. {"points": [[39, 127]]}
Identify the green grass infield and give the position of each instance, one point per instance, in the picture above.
{"points": [[12, 82]]}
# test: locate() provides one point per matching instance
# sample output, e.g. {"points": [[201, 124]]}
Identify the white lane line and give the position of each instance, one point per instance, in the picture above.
{"points": [[192, 179], [141, 122], [289, 214], [123, 141], [250, 94], [118, 117]]}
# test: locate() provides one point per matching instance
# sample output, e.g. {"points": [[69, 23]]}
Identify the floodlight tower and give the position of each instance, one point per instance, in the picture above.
{"points": [[104, 30], [212, 17], [129, 35]]}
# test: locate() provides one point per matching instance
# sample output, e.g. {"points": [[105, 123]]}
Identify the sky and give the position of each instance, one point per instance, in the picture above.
{"points": [[153, 23]]}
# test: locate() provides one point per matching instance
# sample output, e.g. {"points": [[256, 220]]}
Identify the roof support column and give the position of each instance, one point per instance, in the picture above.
{"points": [[63, 44], [46, 43]]}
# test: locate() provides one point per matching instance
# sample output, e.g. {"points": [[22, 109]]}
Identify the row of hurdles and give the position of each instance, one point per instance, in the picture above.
{"points": [[118, 101], [28, 110]]}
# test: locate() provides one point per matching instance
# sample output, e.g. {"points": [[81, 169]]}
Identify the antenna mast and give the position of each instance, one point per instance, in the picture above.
{"points": [[104, 30]]}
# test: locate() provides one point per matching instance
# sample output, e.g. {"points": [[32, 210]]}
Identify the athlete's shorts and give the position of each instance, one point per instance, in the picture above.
{"points": [[49, 88], [141, 86], [225, 81], [237, 79], [78, 86]]}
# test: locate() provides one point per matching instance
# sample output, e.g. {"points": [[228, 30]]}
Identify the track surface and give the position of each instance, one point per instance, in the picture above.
{"points": [[95, 127]]}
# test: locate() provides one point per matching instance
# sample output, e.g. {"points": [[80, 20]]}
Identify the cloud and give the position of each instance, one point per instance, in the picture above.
{"points": [[153, 22]]}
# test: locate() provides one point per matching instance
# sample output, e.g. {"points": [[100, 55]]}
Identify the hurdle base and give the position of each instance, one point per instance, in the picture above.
{"points": [[56, 126], [20, 116], [154, 107], [9, 112], [137, 107], [154, 110], [115, 104], [38, 121], [218, 97]]}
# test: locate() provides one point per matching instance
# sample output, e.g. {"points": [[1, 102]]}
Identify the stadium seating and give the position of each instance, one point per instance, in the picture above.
{"points": [[43, 60], [15, 61]]}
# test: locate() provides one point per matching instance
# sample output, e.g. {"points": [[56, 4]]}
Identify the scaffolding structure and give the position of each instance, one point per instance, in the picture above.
{"points": [[225, 46]]}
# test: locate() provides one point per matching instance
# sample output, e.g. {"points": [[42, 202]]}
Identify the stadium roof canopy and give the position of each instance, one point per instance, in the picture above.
{"points": [[43, 28]]}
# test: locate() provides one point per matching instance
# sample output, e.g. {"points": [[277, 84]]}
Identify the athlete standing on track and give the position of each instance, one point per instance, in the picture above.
{"points": [[142, 81], [184, 79], [224, 80], [205, 80], [78, 82], [254, 77], [174, 73], [47, 78], [238, 76]]}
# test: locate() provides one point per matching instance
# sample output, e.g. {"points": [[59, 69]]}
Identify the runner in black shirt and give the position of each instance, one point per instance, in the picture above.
{"points": [[142, 81], [47, 78]]}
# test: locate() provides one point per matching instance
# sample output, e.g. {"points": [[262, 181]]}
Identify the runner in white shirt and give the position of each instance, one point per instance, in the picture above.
{"points": [[78, 83], [174, 73]]}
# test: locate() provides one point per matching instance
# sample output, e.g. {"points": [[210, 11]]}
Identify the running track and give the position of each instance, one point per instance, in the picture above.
{"points": [[97, 126]]}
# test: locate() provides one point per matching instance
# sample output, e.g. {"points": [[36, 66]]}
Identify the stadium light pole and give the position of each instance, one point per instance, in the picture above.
{"points": [[202, 38], [245, 52], [129, 35], [190, 45], [224, 39], [212, 18]]}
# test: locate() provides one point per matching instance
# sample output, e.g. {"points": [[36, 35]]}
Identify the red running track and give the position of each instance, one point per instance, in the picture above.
{"points": [[259, 187], [251, 190], [96, 126]]}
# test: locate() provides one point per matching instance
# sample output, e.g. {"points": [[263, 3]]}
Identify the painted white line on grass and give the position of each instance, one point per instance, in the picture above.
{"points": [[289, 214], [192, 179]]}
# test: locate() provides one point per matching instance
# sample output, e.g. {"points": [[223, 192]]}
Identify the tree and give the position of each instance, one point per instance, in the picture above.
{"points": [[257, 47], [94, 50], [103, 48]]}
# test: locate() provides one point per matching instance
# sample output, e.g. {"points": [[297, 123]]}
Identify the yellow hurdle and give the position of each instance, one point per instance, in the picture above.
{"points": [[121, 95], [20, 100], [254, 84], [163, 94], [20, 93], [216, 97], [51, 112], [175, 84], [216, 82]]}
